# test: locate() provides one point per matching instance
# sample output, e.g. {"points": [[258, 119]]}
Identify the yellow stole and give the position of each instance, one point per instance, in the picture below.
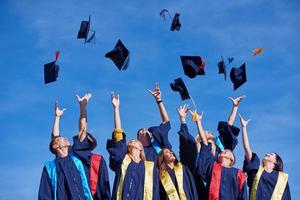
{"points": [[169, 186], [279, 187], [148, 185]]}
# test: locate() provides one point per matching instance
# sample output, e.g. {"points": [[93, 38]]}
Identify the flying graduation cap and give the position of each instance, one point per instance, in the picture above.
{"points": [[51, 70], [238, 76], [84, 31], [175, 26], [119, 55], [193, 65], [222, 66], [179, 86], [257, 51]]}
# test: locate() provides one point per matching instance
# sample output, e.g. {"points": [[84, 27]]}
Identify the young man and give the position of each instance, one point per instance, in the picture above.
{"points": [[75, 173], [135, 178], [156, 137], [223, 180], [176, 179], [266, 180]]}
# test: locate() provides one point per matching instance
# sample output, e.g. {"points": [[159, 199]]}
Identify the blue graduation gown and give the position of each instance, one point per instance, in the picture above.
{"points": [[160, 135], [228, 135], [69, 184], [267, 180], [188, 156], [229, 183], [133, 187]]}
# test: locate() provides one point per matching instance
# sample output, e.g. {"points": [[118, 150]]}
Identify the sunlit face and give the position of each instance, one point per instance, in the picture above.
{"points": [[226, 154], [135, 145], [270, 157], [144, 136], [169, 156], [61, 142]]}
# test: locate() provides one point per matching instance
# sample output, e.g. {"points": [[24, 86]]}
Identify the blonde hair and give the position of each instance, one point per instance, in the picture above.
{"points": [[138, 145]]}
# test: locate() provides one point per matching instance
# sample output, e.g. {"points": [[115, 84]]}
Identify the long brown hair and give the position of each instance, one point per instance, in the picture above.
{"points": [[161, 164]]}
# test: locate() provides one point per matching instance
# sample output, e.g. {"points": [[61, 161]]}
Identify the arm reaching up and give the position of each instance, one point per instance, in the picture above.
{"points": [[115, 100], [182, 110], [58, 113], [162, 110], [198, 119], [246, 145], [235, 104], [82, 124]]}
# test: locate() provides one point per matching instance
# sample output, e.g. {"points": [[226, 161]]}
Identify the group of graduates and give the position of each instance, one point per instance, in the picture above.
{"points": [[147, 168]]}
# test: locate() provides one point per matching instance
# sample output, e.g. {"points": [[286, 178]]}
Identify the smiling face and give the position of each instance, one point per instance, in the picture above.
{"points": [[168, 156], [227, 155], [59, 142]]}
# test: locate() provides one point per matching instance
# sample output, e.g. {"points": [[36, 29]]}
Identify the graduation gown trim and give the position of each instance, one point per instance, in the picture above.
{"points": [[94, 172], [51, 169], [148, 185], [169, 186], [214, 189], [279, 187]]}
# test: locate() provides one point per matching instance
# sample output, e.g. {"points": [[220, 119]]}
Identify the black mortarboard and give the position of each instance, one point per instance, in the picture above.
{"points": [[50, 72], [119, 55], [176, 23], [180, 87], [238, 76], [222, 68], [84, 29], [193, 65]]}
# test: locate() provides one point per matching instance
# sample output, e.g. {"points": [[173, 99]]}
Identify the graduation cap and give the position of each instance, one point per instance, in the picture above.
{"points": [[84, 31], [51, 70], [238, 76], [119, 55], [193, 65], [222, 66], [175, 26], [179, 86]]}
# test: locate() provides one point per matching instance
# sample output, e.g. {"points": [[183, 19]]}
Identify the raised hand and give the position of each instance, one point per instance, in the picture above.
{"points": [[156, 93], [182, 110], [236, 101], [115, 99], [195, 116], [244, 122], [57, 111], [85, 99]]}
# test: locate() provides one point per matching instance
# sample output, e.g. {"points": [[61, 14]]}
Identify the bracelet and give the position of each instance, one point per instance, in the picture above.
{"points": [[158, 102]]}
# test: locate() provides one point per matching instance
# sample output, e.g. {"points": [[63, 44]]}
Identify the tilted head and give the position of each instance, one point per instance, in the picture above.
{"points": [[135, 147], [227, 156], [275, 159], [58, 142], [144, 136], [165, 157]]}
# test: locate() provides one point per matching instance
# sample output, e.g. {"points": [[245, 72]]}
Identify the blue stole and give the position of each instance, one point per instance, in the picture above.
{"points": [[51, 169]]}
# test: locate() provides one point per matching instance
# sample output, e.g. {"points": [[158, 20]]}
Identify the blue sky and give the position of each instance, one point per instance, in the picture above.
{"points": [[31, 31]]}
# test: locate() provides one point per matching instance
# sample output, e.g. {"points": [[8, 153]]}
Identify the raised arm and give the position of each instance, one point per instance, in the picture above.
{"points": [[162, 110], [198, 119], [82, 123], [115, 100], [246, 145], [182, 110], [235, 104], [58, 113]]}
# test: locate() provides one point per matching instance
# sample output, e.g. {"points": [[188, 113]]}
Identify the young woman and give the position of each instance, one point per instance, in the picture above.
{"points": [[135, 178], [266, 180], [223, 180], [176, 180]]}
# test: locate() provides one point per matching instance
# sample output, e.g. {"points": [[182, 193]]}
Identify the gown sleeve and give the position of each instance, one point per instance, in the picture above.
{"points": [[251, 167], [45, 190], [117, 150], [205, 162], [83, 149], [228, 135], [160, 134], [187, 148]]}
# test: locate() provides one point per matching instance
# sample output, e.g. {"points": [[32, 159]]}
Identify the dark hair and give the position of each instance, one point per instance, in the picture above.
{"points": [[279, 164], [161, 164], [52, 143]]}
